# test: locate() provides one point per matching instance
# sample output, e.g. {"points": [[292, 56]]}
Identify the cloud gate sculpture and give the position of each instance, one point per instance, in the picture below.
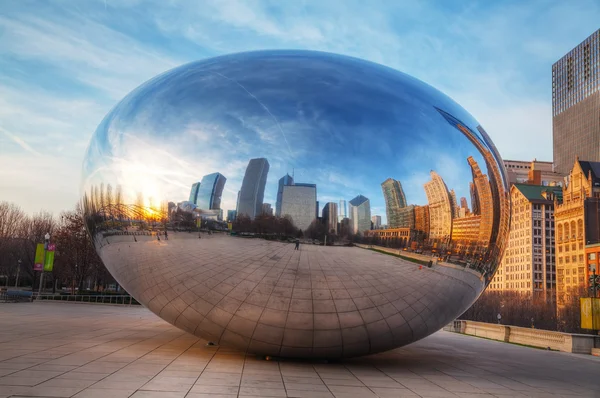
{"points": [[296, 204]]}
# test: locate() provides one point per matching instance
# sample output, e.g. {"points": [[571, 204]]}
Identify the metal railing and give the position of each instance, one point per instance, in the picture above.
{"points": [[93, 299]]}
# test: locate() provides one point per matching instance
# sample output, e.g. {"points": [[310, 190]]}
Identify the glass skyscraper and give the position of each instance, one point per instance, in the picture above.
{"points": [[283, 181], [299, 201], [576, 105], [342, 210], [330, 216], [395, 200], [360, 214], [194, 192], [251, 195], [210, 191]]}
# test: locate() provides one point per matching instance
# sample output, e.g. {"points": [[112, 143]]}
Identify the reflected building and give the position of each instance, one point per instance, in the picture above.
{"points": [[465, 234], [376, 221], [454, 203], [210, 191], [231, 215], [299, 201], [250, 199], [267, 209], [422, 222], [330, 217], [394, 201], [342, 210], [406, 217], [194, 192], [360, 214], [283, 181], [400, 236], [440, 210], [485, 204], [498, 183]]}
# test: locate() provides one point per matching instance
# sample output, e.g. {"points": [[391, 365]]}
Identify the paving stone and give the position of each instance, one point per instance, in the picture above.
{"points": [[95, 351]]}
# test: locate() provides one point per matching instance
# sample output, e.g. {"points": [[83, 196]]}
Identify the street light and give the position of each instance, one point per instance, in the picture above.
{"points": [[46, 243]]}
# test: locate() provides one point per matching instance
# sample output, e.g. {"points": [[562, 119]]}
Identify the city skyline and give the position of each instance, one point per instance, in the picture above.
{"points": [[115, 53]]}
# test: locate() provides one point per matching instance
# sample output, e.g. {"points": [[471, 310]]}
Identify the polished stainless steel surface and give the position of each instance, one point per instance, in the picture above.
{"points": [[308, 156]]}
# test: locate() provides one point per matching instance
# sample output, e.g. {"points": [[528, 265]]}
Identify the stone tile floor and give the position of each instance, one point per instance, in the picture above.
{"points": [[88, 351]]}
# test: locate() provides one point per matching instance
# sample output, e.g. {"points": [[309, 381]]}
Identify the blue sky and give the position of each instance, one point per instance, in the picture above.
{"points": [[338, 122], [65, 64]]}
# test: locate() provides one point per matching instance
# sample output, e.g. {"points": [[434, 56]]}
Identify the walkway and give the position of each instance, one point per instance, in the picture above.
{"points": [[87, 350]]}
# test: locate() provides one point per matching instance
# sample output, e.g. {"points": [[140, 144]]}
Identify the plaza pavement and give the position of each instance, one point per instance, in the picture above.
{"points": [[88, 350]]}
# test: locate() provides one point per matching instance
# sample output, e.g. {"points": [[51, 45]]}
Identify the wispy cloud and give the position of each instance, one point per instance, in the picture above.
{"points": [[61, 73]]}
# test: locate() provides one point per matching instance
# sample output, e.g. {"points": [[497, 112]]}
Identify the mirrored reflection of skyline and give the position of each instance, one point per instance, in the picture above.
{"points": [[331, 155], [445, 224]]}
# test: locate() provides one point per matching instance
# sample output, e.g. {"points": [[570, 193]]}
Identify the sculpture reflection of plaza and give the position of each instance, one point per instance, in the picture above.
{"points": [[238, 197]]}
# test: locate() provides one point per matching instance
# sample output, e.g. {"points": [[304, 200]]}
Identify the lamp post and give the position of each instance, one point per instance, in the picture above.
{"points": [[46, 243], [18, 272]]}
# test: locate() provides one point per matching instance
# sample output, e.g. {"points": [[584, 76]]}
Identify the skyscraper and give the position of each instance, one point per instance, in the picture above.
{"points": [[394, 201], [267, 209], [576, 105], [453, 203], [376, 220], [253, 188], [485, 202], [194, 192], [231, 215], [330, 216], [210, 191], [299, 201], [360, 214], [440, 210], [283, 181], [342, 210]]}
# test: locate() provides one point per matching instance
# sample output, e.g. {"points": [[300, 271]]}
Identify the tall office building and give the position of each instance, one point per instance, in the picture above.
{"points": [[360, 214], [394, 201], [453, 203], [440, 210], [376, 220], [267, 209], [330, 216], [528, 264], [210, 191], [485, 202], [231, 215], [194, 192], [422, 222], [576, 217], [342, 210], [299, 201], [253, 188], [283, 181], [576, 105]]}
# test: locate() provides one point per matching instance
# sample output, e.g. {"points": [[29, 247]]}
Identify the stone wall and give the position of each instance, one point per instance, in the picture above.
{"points": [[565, 342]]}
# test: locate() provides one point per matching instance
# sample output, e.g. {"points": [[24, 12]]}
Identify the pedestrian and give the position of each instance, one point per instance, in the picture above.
{"points": [[166, 236], [297, 244]]}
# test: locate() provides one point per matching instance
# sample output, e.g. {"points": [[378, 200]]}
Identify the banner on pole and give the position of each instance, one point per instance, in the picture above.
{"points": [[590, 313], [49, 264], [38, 264]]}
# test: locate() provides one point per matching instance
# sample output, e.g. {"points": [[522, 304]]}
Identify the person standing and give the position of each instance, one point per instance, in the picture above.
{"points": [[297, 244]]}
